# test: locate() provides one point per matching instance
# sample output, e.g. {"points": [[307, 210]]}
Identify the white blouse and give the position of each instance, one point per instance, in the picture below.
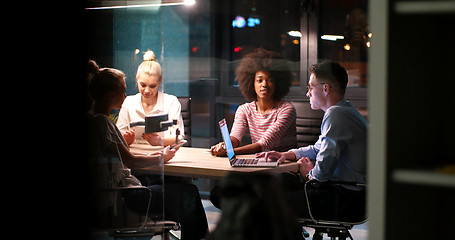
{"points": [[132, 111]]}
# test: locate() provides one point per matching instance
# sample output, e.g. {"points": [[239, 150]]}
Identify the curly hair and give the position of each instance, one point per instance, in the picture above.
{"points": [[263, 60]]}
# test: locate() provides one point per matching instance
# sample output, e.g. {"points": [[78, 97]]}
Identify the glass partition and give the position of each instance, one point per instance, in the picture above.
{"points": [[198, 47], [344, 36], [121, 38], [303, 32], [248, 25], [273, 25]]}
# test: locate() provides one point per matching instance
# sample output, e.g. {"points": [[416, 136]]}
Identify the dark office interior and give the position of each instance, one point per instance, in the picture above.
{"points": [[399, 56]]}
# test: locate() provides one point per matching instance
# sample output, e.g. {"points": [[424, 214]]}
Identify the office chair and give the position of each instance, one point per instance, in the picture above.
{"points": [[185, 103], [120, 222], [337, 224], [308, 123]]}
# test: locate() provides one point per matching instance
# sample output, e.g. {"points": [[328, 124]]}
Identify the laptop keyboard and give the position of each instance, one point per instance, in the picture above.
{"points": [[246, 161]]}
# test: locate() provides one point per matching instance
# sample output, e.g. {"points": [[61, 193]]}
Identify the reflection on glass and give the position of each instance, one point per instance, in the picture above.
{"points": [[345, 37]]}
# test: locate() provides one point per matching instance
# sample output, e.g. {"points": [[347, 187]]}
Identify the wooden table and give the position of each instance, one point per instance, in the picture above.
{"points": [[198, 162]]}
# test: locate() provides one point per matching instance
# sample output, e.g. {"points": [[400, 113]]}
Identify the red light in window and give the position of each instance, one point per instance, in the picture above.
{"points": [[237, 49], [194, 49]]}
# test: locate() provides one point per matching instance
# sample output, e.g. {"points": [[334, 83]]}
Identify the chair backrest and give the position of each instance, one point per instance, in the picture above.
{"points": [[185, 102], [308, 123], [326, 204], [328, 213]]}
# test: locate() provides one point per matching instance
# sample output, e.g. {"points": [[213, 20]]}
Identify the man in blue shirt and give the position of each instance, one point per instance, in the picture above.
{"points": [[340, 152]]}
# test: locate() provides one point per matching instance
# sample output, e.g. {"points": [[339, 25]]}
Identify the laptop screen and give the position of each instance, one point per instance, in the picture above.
{"points": [[227, 139]]}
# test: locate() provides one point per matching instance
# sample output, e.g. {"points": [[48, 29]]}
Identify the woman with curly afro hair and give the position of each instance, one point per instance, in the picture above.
{"points": [[264, 79]]}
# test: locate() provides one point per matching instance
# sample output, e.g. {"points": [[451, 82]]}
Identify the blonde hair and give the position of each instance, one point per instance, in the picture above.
{"points": [[149, 66]]}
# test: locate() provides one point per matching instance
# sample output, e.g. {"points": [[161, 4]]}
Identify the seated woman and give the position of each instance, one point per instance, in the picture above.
{"points": [[111, 160], [150, 101], [264, 79]]}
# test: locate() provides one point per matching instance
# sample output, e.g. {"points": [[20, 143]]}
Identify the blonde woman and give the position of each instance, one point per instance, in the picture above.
{"points": [[149, 101]]}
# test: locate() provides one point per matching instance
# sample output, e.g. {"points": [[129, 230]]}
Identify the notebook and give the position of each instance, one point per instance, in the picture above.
{"points": [[240, 162]]}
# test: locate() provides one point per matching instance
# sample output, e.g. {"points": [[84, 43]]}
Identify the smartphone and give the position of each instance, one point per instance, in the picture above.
{"points": [[179, 144]]}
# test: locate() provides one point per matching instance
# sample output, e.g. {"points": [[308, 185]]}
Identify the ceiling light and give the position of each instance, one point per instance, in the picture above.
{"points": [[136, 3], [331, 37], [189, 2], [295, 34]]}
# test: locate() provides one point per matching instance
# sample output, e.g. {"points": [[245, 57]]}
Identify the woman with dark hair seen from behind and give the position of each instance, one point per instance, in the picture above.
{"points": [[264, 79]]}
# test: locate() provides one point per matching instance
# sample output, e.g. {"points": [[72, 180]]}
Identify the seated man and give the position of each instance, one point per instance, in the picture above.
{"points": [[340, 152]]}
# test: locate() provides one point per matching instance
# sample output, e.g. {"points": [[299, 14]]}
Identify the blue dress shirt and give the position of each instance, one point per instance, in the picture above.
{"points": [[340, 152]]}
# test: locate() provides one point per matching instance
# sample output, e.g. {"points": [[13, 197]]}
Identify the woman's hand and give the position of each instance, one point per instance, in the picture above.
{"points": [[153, 139], [168, 153], [218, 150], [129, 136]]}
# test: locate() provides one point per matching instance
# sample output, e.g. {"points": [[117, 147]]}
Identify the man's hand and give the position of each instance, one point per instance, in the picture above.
{"points": [[305, 165], [271, 156]]}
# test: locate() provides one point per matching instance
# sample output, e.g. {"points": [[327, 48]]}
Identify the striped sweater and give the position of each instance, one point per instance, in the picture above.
{"points": [[275, 130]]}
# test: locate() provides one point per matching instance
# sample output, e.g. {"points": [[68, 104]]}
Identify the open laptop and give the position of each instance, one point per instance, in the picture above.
{"points": [[240, 162]]}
